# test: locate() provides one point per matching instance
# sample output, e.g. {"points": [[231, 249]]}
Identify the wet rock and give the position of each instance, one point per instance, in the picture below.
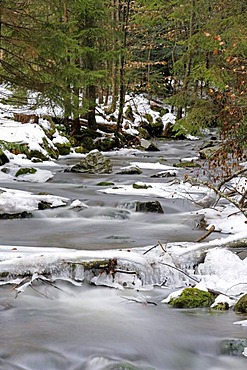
{"points": [[152, 148], [209, 152], [233, 347], [168, 132], [93, 163], [63, 146], [222, 306], [189, 164], [13, 216], [151, 206], [241, 305], [105, 144], [157, 127], [192, 298], [130, 170], [105, 183], [44, 205], [166, 173], [3, 158]]}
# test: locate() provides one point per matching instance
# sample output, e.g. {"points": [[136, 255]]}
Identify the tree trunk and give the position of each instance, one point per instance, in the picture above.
{"points": [[125, 9]]}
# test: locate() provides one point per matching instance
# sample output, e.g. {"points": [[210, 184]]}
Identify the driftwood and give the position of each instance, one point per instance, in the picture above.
{"points": [[204, 236]]}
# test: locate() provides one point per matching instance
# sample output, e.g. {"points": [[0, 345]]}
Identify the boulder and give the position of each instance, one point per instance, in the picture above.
{"points": [[209, 152], [25, 171], [192, 298], [241, 305], [233, 347], [3, 158], [150, 206], [12, 216], [93, 163], [130, 170], [152, 148]]}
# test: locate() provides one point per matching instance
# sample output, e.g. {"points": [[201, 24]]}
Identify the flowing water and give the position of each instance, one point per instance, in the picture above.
{"points": [[77, 328]]}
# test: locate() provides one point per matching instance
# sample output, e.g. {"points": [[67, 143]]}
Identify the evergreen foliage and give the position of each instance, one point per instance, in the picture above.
{"points": [[190, 53]]}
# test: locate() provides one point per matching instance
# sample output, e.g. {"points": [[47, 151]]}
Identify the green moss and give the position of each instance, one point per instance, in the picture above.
{"points": [[63, 148], [223, 306], [53, 153], [186, 164], [192, 298], [129, 113], [25, 171], [241, 305], [149, 118], [105, 183], [141, 186], [80, 149]]}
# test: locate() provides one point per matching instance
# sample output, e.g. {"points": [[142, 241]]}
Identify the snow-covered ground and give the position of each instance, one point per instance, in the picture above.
{"points": [[221, 270]]}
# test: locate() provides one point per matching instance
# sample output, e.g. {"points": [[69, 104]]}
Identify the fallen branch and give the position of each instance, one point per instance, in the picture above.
{"points": [[204, 236], [150, 249], [141, 300], [221, 194]]}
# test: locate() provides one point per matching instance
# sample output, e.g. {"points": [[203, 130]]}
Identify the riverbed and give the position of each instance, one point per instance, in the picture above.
{"points": [[64, 327]]}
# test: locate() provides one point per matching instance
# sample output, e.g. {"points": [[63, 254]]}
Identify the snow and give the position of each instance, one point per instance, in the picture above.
{"points": [[221, 270], [15, 201], [174, 190]]}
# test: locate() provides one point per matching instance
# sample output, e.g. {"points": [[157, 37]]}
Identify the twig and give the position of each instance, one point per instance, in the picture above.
{"points": [[161, 246], [37, 291], [126, 272], [155, 246], [236, 174], [48, 282], [137, 300], [150, 249], [178, 269], [236, 285], [222, 195], [204, 236]]}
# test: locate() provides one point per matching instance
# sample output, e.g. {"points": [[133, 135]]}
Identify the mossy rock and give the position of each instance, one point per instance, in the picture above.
{"points": [[25, 171], [105, 144], [63, 148], [93, 163], [241, 305], [15, 148], [80, 150], [141, 186], [222, 306], [210, 152], [150, 206], [130, 170], [49, 131], [149, 118], [13, 216], [36, 160], [157, 127], [52, 151], [105, 183], [186, 164], [193, 298], [143, 133]]}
